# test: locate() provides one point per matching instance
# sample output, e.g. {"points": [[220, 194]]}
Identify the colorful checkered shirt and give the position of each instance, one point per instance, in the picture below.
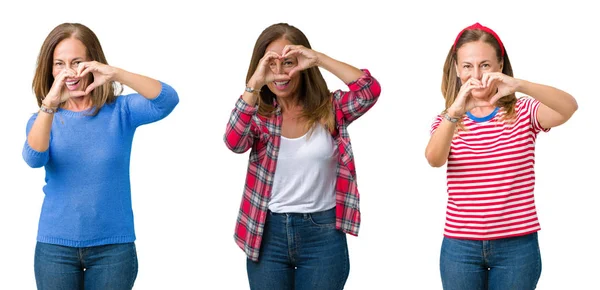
{"points": [[246, 129]]}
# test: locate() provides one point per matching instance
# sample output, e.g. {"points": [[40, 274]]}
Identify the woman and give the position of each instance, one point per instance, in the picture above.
{"points": [[300, 196], [487, 136], [82, 135]]}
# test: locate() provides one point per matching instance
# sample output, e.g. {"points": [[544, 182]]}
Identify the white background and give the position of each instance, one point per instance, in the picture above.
{"points": [[187, 186]]}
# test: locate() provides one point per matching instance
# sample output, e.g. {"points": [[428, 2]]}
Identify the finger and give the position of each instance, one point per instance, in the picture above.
{"points": [[495, 98], [91, 87], [475, 82], [292, 52], [81, 67], [87, 70], [484, 80]]}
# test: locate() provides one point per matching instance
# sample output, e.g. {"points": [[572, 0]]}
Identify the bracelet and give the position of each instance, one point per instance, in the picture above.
{"points": [[48, 110], [451, 119], [252, 90]]}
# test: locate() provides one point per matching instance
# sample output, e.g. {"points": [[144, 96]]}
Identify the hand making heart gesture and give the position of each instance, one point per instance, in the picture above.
{"points": [[306, 57], [102, 73], [263, 74], [59, 91], [465, 102]]}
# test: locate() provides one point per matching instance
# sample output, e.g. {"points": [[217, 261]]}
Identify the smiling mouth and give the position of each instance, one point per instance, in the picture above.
{"points": [[72, 83]]}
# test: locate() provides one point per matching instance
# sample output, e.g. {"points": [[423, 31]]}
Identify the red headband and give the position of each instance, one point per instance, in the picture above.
{"points": [[478, 26]]}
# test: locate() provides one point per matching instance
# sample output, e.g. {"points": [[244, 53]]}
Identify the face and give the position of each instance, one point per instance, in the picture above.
{"points": [[474, 59], [67, 55], [283, 88]]}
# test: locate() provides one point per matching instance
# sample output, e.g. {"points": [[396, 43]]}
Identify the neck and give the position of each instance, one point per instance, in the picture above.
{"points": [[78, 104], [289, 104], [482, 111]]}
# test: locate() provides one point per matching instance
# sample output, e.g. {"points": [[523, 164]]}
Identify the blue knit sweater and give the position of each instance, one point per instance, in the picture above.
{"points": [[87, 193]]}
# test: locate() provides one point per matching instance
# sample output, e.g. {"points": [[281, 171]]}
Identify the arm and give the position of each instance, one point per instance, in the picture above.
{"points": [[154, 101], [38, 128], [364, 89], [363, 94], [37, 155], [343, 71], [438, 148], [556, 106], [239, 133]]}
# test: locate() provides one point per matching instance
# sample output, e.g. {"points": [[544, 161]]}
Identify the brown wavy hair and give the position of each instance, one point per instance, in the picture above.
{"points": [[43, 79], [451, 82], [313, 93]]}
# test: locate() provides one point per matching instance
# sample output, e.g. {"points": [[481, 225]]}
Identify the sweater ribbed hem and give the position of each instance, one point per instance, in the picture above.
{"points": [[88, 243]]}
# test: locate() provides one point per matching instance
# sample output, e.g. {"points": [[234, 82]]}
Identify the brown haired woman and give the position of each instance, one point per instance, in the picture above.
{"points": [[82, 135], [487, 135], [300, 197]]}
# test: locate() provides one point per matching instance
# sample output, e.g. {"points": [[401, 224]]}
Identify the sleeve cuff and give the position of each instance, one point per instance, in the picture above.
{"points": [[244, 107], [361, 82]]}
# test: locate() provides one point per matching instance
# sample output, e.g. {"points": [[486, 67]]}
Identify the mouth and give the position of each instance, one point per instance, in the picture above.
{"points": [[281, 85], [72, 84]]}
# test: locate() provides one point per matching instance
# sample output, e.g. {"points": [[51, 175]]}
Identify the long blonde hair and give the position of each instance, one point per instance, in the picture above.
{"points": [[451, 82], [315, 97]]}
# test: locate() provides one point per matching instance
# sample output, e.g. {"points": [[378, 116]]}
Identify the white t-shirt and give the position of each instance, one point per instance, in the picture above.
{"points": [[305, 175]]}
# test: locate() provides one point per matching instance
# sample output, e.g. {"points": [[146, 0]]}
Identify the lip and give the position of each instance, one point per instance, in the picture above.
{"points": [[281, 85], [72, 84]]}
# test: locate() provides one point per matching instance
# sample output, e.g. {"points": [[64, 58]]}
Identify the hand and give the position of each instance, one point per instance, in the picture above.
{"points": [[464, 102], [506, 85], [263, 73], [58, 92], [307, 57], [102, 73]]}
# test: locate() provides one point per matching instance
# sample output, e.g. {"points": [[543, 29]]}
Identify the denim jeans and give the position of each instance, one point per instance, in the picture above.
{"points": [[300, 252], [503, 264], [107, 267]]}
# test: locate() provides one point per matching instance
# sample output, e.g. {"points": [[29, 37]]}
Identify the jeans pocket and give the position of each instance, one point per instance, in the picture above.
{"points": [[324, 220]]}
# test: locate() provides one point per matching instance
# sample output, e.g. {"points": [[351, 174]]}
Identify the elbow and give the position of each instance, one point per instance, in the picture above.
{"points": [[434, 161], [34, 162], [231, 146]]}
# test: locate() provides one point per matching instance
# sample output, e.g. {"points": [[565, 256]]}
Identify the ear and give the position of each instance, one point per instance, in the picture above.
{"points": [[456, 68], [502, 65]]}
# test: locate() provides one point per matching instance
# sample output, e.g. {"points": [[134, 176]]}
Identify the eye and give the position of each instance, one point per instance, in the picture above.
{"points": [[485, 65], [59, 64], [466, 66], [288, 63]]}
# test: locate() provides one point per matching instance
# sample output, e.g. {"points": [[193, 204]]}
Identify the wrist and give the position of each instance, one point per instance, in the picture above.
{"points": [[454, 113], [117, 75], [253, 84], [321, 60], [520, 85]]}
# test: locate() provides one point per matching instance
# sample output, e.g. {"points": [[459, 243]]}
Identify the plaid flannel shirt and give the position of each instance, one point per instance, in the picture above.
{"points": [[246, 129]]}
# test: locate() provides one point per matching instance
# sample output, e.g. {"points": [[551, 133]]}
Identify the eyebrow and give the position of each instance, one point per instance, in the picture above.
{"points": [[484, 61], [77, 58]]}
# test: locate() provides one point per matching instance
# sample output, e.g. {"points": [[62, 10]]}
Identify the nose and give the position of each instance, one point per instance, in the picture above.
{"points": [[278, 68], [476, 73]]}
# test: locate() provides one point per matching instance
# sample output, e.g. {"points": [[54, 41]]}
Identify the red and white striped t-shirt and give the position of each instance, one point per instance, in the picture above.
{"points": [[490, 176]]}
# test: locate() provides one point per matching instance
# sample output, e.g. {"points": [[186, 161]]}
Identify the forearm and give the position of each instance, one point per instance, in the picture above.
{"points": [[555, 99], [39, 135], [343, 71], [149, 88], [238, 133], [438, 149]]}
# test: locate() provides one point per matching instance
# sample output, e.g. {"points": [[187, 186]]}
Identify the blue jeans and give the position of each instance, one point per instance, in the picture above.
{"points": [[503, 264], [300, 252], [108, 267]]}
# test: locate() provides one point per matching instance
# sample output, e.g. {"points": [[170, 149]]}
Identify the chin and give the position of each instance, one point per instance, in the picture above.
{"points": [[480, 94]]}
